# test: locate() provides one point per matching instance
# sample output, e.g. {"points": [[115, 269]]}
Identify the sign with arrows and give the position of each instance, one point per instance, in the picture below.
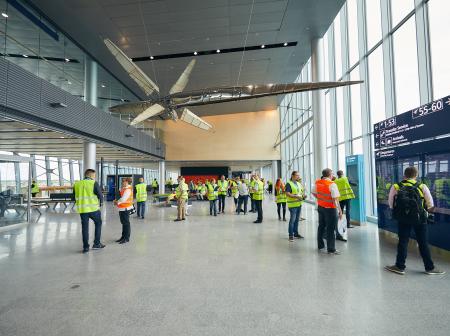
{"points": [[424, 122]]}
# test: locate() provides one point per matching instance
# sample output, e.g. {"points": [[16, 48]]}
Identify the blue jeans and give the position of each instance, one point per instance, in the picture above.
{"points": [[141, 209], [213, 207], [96, 217], [293, 220]]}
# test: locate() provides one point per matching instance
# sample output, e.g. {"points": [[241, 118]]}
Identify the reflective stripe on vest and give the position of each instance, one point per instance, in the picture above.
{"points": [[85, 199], [141, 192], [211, 192], [129, 202], [345, 190], [223, 186], [258, 195], [281, 196], [182, 191], [296, 189], [323, 194]]}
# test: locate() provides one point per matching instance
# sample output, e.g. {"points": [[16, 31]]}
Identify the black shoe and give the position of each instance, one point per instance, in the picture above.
{"points": [[350, 226], [124, 241], [98, 246], [279, 218], [85, 249], [291, 238], [298, 236], [257, 222], [341, 239], [177, 220], [215, 215], [284, 219], [119, 240], [183, 218]]}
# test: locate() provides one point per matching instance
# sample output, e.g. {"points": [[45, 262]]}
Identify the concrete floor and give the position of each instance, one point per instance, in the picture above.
{"points": [[211, 276]]}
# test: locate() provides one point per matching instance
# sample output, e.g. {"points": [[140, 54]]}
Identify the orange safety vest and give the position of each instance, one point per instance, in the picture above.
{"points": [[323, 194], [129, 201]]}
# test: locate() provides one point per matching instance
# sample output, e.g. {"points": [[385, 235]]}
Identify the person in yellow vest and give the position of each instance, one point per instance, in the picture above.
{"points": [[251, 189], [88, 198], [346, 192], [234, 191], [141, 197], [280, 198], [258, 196], [34, 188], [327, 195], [407, 191], [155, 186], [212, 196], [125, 205], [182, 194], [223, 189], [294, 196]]}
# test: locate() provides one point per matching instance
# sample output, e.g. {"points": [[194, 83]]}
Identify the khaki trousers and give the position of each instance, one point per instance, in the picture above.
{"points": [[181, 208]]}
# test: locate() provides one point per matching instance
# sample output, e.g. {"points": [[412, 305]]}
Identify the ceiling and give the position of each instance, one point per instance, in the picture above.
{"points": [[31, 139], [175, 26]]}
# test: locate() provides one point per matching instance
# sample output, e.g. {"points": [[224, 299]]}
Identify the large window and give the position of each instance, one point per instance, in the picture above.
{"points": [[340, 115], [440, 46], [352, 14], [338, 46], [376, 86], [355, 94], [399, 10], [373, 22], [406, 68]]}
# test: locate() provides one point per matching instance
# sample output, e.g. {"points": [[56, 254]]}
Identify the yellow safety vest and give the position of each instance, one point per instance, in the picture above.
{"points": [[34, 188], [258, 195], [411, 183], [154, 184], [223, 186], [141, 192], [211, 192], [296, 189], [85, 199], [182, 191], [345, 190], [281, 196]]}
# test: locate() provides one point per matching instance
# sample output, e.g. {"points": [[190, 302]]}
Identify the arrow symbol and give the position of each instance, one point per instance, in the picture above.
{"points": [[448, 101]]}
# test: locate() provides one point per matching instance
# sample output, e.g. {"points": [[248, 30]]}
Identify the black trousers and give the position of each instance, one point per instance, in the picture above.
{"points": [[213, 207], [421, 231], [126, 227], [279, 206], [243, 199], [96, 217], [328, 218], [346, 205], [222, 203], [259, 210], [252, 204]]}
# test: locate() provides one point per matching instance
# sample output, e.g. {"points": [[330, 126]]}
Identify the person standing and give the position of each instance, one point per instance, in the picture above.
{"points": [[251, 191], [88, 198], [346, 192], [295, 196], [125, 205], [141, 197], [258, 196], [235, 191], [182, 194], [223, 189], [280, 198], [212, 196], [34, 188], [327, 195], [410, 202], [243, 197], [155, 186]]}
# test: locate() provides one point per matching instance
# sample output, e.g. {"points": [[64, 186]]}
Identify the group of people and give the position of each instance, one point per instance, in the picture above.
{"points": [[409, 200]]}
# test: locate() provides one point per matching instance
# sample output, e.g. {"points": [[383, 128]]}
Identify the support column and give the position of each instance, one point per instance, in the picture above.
{"points": [[318, 104], [162, 176], [274, 171], [90, 96]]}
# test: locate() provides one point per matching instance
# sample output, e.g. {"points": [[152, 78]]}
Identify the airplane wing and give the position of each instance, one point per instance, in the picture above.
{"points": [[235, 93], [133, 70], [194, 120], [184, 78], [148, 113], [132, 108]]}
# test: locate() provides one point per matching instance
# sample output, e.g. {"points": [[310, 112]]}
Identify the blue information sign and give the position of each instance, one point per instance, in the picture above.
{"points": [[427, 121]]}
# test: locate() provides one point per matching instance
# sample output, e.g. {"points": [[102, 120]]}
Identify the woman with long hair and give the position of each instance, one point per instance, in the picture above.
{"points": [[280, 198]]}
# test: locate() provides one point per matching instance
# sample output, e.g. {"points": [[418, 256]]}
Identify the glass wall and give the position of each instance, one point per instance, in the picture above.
{"points": [[379, 43], [42, 49]]}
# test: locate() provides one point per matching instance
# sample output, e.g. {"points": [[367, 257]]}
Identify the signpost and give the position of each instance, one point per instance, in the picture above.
{"points": [[427, 121]]}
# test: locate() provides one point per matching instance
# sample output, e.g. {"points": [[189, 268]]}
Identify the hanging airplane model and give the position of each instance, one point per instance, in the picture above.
{"points": [[176, 102]]}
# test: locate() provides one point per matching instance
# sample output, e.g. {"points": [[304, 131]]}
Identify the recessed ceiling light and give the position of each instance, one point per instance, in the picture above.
{"points": [[69, 82], [195, 53], [285, 44], [25, 55], [67, 60], [218, 51], [5, 15], [103, 85], [151, 57], [263, 46]]}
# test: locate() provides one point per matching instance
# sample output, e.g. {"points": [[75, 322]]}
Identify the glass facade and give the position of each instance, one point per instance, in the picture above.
{"points": [[381, 43]]}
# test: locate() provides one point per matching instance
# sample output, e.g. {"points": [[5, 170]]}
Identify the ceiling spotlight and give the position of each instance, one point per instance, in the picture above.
{"points": [[285, 44], [151, 57], [195, 53], [67, 60], [69, 82], [218, 51], [103, 85], [25, 55], [5, 15], [263, 46]]}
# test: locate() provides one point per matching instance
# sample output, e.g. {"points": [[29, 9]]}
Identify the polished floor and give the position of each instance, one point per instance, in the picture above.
{"points": [[211, 276]]}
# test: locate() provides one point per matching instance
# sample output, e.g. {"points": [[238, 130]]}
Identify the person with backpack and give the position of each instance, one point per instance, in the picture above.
{"points": [[410, 202]]}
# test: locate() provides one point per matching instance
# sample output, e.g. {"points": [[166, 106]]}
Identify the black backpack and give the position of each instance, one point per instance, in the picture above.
{"points": [[408, 204]]}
